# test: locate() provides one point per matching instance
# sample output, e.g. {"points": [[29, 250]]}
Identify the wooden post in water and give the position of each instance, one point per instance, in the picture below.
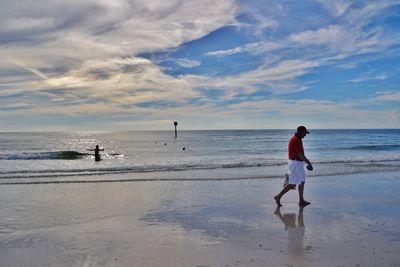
{"points": [[176, 131]]}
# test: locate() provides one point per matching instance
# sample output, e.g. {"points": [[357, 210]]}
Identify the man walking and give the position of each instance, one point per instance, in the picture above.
{"points": [[296, 175]]}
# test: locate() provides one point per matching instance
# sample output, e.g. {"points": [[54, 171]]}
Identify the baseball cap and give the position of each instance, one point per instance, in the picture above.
{"points": [[302, 129]]}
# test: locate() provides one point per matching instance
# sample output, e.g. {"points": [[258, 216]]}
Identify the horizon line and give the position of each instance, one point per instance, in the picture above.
{"points": [[187, 130]]}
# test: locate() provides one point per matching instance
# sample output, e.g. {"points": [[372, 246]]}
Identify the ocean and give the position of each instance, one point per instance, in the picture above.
{"points": [[60, 157]]}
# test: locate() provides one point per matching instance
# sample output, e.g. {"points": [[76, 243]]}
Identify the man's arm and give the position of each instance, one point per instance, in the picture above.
{"points": [[303, 158]]}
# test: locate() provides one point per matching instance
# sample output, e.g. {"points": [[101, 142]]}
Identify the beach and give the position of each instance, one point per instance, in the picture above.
{"points": [[160, 133], [353, 220]]}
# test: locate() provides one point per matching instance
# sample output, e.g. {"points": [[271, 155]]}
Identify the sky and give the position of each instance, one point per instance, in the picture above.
{"points": [[105, 65]]}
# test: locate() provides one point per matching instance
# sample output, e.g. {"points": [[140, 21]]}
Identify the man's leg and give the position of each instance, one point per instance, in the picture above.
{"points": [[286, 189], [302, 202]]}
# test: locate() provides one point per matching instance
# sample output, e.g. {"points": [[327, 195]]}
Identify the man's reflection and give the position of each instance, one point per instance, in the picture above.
{"points": [[295, 231]]}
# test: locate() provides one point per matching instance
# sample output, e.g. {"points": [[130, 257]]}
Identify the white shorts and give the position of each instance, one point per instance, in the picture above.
{"points": [[297, 174]]}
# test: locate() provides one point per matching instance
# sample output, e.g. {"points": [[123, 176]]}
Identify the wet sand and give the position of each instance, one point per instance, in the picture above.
{"points": [[353, 220]]}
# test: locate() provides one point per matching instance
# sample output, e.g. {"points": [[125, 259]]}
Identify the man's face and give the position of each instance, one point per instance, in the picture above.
{"points": [[302, 134]]}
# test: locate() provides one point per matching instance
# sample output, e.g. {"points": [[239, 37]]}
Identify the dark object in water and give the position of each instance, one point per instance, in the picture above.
{"points": [[176, 130], [67, 155]]}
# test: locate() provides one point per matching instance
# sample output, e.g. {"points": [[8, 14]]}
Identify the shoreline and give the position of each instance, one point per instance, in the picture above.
{"points": [[352, 220], [172, 176]]}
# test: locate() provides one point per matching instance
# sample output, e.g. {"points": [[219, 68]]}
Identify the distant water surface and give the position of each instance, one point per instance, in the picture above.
{"points": [[225, 154]]}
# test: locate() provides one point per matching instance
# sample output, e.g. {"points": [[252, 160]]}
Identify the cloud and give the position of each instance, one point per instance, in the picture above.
{"points": [[285, 70], [323, 114], [272, 78], [252, 48], [27, 24], [362, 12], [81, 30], [380, 77], [389, 96], [227, 52], [332, 35], [94, 57], [353, 34], [338, 7], [394, 115], [124, 82], [257, 21], [348, 66], [33, 70], [105, 86], [79, 53], [187, 63], [275, 78], [342, 41]]}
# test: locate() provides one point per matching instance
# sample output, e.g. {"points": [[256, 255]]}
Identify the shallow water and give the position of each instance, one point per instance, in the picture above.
{"points": [[353, 220], [59, 157]]}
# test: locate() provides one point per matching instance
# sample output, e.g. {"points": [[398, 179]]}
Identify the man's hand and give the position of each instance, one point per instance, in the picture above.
{"points": [[309, 167]]}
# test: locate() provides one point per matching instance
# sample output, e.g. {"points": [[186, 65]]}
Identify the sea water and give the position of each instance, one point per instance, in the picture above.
{"points": [[52, 157]]}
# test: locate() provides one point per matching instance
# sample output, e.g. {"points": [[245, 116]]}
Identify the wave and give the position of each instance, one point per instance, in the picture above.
{"points": [[351, 160], [377, 163], [47, 155], [136, 169], [82, 180], [387, 147], [53, 155]]}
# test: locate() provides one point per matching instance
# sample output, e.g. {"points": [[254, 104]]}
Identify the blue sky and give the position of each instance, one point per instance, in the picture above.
{"points": [[209, 64]]}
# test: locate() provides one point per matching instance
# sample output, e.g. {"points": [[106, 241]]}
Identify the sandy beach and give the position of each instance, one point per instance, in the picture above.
{"points": [[353, 221], [150, 133]]}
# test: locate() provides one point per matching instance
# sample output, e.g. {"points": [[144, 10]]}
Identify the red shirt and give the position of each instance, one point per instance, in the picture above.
{"points": [[295, 146]]}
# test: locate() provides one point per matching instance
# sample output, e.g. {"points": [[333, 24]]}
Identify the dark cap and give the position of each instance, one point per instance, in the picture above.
{"points": [[302, 129]]}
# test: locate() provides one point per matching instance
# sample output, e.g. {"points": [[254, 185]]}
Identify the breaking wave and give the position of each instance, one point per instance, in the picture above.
{"points": [[386, 147], [54, 155], [325, 166], [47, 155]]}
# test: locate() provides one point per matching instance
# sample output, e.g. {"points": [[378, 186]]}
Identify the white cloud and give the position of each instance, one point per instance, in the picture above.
{"points": [[277, 78], [84, 53], [347, 37], [285, 70], [252, 48], [394, 116], [331, 35], [259, 21], [27, 24], [364, 11], [227, 52], [380, 77], [82, 29], [187, 63], [348, 66], [338, 7], [389, 96], [323, 114], [77, 58], [343, 41], [268, 75]]}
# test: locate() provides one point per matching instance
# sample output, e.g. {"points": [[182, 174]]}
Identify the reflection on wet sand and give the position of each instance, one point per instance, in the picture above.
{"points": [[295, 231]]}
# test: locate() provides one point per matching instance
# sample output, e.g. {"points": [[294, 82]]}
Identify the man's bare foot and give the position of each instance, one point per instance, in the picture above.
{"points": [[278, 201], [304, 203]]}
